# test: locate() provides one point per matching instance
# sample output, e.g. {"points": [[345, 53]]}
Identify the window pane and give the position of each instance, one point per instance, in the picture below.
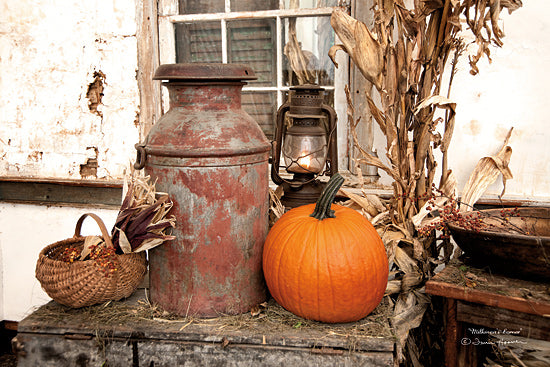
{"points": [[307, 42], [262, 106], [254, 5], [198, 42], [252, 42], [201, 6], [307, 4]]}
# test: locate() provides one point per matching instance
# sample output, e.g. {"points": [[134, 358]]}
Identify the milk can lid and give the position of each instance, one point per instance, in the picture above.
{"points": [[204, 71]]}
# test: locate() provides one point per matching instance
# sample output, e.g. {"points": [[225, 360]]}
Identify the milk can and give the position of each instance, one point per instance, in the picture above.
{"points": [[212, 158]]}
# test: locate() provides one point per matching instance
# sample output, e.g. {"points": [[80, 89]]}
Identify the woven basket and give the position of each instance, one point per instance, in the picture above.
{"points": [[83, 283]]}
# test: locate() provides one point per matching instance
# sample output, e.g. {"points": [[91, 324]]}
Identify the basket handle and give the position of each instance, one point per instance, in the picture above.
{"points": [[104, 232]]}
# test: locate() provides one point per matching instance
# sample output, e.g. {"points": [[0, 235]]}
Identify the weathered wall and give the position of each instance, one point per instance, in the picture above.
{"points": [[25, 230], [512, 91], [68, 110], [69, 93]]}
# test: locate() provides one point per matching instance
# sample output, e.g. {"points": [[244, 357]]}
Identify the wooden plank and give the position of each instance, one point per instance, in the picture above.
{"points": [[360, 87], [148, 61], [202, 354], [56, 350], [120, 333], [502, 322], [56, 319], [490, 290], [256, 14], [43, 349], [451, 333], [495, 300], [60, 192]]}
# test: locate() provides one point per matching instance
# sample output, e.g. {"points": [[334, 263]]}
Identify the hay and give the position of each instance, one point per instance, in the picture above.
{"points": [[268, 319]]}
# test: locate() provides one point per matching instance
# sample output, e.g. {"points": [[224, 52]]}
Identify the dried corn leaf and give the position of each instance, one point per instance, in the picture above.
{"points": [[376, 201], [450, 106], [393, 287], [405, 262], [360, 44], [408, 312], [362, 201], [485, 173], [123, 242], [150, 243], [276, 207], [381, 219]]}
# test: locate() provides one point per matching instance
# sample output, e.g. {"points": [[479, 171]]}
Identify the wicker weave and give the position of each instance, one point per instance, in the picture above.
{"points": [[83, 283]]}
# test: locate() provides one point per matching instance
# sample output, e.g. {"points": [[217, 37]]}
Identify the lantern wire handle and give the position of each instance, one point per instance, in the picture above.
{"points": [[322, 207]]}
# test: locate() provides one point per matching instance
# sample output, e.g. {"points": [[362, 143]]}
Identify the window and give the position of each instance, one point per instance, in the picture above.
{"points": [[285, 42]]}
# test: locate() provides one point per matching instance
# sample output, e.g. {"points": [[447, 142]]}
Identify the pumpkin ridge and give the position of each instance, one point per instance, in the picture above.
{"points": [[291, 231], [275, 254], [350, 230], [307, 242], [376, 262], [368, 260], [370, 265], [342, 238], [329, 274], [317, 238]]}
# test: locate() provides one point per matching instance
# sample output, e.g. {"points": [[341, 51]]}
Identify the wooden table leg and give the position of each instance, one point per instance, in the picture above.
{"points": [[451, 333]]}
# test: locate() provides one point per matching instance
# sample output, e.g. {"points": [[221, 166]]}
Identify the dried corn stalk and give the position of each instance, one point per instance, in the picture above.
{"points": [[404, 56]]}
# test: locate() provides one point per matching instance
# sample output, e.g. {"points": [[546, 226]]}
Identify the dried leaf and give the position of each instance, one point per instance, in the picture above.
{"points": [[152, 243], [408, 312], [123, 242], [485, 173], [360, 44], [362, 201], [445, 103]]}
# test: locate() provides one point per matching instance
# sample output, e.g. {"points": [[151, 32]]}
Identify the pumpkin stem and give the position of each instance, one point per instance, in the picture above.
{"points": [[322, 208]]}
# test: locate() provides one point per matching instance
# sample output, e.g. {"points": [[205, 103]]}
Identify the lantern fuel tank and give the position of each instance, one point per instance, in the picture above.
{"points": [[211, 157]]}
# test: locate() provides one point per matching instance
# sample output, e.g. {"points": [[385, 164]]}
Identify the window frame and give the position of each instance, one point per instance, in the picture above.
{"points": [[168, 15]]}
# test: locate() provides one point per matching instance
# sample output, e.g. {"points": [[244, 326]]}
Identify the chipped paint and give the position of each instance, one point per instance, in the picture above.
{"points": [[68, 83], [95, 93]]}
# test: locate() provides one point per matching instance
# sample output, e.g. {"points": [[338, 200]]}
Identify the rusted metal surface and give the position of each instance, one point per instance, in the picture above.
{"points": [[212, 159], [204, 71]]}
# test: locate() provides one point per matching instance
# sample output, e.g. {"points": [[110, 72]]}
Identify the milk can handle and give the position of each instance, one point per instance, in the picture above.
{"points": [[141, 156]]}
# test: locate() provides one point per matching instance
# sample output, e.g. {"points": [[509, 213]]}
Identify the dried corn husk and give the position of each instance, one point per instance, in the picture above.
{"points": [[143, 219], [485, 173], [360, 44]]}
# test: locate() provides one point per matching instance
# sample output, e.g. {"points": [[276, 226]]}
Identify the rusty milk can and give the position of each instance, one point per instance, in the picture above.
{"points": [[212, 158]]}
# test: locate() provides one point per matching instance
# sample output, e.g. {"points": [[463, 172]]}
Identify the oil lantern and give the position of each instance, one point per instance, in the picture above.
{"points": [[211, 157], [305, 137]]}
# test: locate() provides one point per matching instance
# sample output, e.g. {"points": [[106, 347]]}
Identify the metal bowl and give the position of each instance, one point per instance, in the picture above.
{"points": [[502, 249]]}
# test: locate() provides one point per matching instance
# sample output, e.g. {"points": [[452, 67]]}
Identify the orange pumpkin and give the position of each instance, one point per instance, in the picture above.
{"points": [[325, 262]]}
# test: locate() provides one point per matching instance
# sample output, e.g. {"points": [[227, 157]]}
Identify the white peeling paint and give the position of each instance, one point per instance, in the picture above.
{"points": [[49, 54]]}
